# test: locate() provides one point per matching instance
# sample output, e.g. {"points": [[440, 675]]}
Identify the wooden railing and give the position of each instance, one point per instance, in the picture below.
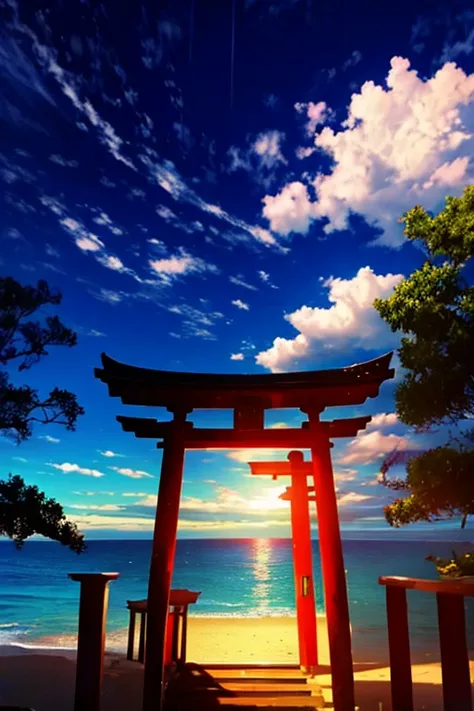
{"points": [[450, 596]]}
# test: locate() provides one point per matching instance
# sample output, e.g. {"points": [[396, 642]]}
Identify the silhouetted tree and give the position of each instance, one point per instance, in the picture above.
{"points": [[434, 310], [26, 341], [25, 511]]}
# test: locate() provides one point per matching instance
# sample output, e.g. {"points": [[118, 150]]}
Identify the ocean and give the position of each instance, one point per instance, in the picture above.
{"points": [[239, 578]]}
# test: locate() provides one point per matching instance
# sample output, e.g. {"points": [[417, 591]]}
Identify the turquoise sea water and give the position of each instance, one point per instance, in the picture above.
{"points": [[252, 577]]}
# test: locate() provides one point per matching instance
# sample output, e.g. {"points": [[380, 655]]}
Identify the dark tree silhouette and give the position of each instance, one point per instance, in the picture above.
{"points": [[25, 510], [26, 341]]}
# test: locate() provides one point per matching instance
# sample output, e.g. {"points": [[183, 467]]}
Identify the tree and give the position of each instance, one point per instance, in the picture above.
{"points": [[25, 510], [26, 341], [434, 310]]}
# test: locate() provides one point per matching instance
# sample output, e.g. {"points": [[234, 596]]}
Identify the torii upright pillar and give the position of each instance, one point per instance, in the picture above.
{"points": [[334, 576], [302, 554]]}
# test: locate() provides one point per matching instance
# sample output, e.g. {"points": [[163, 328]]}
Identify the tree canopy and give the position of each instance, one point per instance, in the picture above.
{"points": [[434, 310], [24, 341], [25, 511]]}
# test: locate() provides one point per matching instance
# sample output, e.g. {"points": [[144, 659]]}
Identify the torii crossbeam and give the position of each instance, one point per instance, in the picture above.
{"points": [[248, 396]]}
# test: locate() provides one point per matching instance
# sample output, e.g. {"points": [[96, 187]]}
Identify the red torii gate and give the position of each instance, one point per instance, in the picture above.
{"points": [[248, 396], [302, 555]]}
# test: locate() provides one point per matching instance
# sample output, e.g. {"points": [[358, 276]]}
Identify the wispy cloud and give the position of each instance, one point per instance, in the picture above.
{"points": [[49, 438], [109, 453], [69, 468], [132, 473], [241, 304], [240, 281]]}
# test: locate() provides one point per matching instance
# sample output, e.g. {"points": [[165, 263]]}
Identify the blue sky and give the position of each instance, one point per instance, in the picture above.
{"points": [[216, 187]]}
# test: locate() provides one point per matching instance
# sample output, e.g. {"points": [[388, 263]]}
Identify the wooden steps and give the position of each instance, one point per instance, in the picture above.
{"points": [[254, 687]]}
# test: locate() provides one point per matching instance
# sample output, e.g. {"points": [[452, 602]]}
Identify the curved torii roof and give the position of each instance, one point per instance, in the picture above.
{"points": [[177, 390]]}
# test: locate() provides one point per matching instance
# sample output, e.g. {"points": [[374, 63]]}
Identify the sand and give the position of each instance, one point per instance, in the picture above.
{"points": [[44, 678]]}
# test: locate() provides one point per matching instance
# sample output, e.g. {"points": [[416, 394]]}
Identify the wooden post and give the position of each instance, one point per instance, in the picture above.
{"points": [[91, 638], [334, 578], [454, 654], [399, 648], [141, 639], [131, 635], [303, 567], [161, 568]]}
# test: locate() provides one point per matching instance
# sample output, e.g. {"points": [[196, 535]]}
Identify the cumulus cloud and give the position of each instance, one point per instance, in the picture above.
{"points": [[110, 453], [315, 113], [382, 420], [350, 320], [291, 210], [132, 473], [69, 468], [370, 446], [237, 356], [400, 145]]}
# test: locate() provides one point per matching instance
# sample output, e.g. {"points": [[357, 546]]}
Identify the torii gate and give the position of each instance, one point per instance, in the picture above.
{"points": [[298, 495], [248, 396]]}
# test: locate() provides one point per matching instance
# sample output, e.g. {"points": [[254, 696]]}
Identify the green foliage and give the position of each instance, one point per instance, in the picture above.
{"points": [[27, 341], [455, 567], [25, 510], [440, 483], [434, 310]]}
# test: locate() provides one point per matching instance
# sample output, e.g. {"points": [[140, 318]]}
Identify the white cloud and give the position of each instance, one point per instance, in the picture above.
{"points": [[180, 264], [241, 304], [69, 468], [351, 320], [399, 146], [370, 446], [383, 419], [237, 356], [109, 453], [268, 147], [132, 473], [289, 211], [96, 507], [239, 281], [109, 296], [20, 459], [352, 497], [316, 114], [249, 455], [134, 493], [103, 219], [354, 59], [59, 160], [94, 493], [228, 500], [48, 438], [168, 178], [452, 51]]}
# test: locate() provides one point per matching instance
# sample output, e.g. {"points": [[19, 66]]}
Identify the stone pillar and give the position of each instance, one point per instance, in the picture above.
{"points": [[91, 638]]}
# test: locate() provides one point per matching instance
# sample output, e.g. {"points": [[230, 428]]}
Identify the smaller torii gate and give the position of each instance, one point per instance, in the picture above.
{"points": [[297, 494]]}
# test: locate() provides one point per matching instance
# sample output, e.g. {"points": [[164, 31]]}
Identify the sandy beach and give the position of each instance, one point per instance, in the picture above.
{"points": [[43, 678]]}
